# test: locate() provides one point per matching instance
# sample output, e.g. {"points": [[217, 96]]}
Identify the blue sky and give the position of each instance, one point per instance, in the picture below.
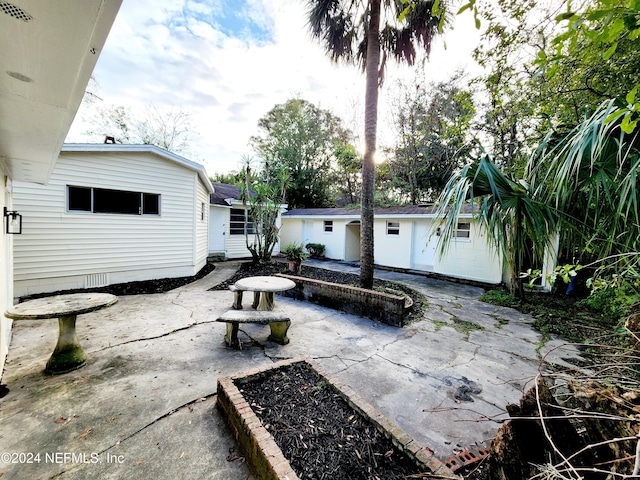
{"points": [[228, 62]]}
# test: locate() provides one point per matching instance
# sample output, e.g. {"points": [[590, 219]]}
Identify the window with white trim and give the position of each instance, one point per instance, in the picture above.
{"points": [[328, 226], [393, 228], [102, 200], [203, 212], [463, 230], [240, 223]]}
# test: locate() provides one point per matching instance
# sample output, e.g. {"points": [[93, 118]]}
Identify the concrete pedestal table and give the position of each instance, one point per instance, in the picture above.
{"points": [[263, 288], [68, 354]]}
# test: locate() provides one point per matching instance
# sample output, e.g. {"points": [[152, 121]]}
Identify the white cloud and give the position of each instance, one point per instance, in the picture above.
{"points": [[174, 54]]}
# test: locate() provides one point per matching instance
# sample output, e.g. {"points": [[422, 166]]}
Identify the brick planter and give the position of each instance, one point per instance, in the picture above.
{"points": [[384, 307], [264, 456]]}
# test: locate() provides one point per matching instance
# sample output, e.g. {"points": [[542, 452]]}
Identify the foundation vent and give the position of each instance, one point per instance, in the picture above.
{"points": [[15, 11], [96, 280]]}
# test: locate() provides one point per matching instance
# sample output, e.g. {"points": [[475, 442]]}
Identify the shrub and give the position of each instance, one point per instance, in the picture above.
{"points": [[294, 252], [316, 250]]}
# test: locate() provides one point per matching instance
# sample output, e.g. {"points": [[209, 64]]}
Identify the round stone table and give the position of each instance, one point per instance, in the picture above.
{"points": [[68, 354], [265, 286]]}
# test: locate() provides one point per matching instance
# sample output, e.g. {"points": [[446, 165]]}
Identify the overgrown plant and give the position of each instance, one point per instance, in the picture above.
{"points": [[512, 214], [262, 198]]}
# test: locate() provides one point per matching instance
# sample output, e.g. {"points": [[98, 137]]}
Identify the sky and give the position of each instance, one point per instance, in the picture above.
{"points": [[226, 63]]}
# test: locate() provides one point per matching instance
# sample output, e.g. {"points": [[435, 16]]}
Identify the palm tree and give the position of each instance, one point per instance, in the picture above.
{"points": [[592, 176], [514, 215], [367, 32]]}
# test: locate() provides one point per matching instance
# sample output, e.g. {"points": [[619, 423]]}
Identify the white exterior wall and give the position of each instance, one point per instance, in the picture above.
{"points": [[473, 258], [201, 237], [392, 250], [6, 272], [297, 229], [61, 250]]}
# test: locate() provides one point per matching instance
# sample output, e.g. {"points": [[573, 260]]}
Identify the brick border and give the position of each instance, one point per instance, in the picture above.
{"points": [[263, 455], [385, 307]]}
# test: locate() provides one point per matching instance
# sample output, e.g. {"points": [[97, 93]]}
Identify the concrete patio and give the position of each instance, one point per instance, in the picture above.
{"points": [[144, 404]]}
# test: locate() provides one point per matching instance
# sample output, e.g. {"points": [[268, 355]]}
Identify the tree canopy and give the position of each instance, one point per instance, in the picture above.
{"points": [[302, 139]]}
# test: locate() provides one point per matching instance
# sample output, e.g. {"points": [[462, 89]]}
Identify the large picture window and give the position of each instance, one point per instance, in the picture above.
{"points": [[102, 200], [239, 224]]}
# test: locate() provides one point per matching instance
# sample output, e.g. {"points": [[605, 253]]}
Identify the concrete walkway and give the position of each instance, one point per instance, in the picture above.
{"points": [[143, 406]]}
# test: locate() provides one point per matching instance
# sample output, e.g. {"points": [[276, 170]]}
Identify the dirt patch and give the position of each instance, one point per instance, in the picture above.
{"points": [[413, 314], [320, 434]]}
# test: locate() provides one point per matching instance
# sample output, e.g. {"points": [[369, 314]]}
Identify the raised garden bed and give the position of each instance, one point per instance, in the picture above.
{"points": [[386, 307], [293, 420]]}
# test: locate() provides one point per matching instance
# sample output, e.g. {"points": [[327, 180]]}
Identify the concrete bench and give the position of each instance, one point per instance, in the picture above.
{"points": [[277, 321], [237, 297]]}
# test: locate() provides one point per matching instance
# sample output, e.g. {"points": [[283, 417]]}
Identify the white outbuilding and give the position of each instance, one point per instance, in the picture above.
{"points": [[401, 240], [110, 214]]}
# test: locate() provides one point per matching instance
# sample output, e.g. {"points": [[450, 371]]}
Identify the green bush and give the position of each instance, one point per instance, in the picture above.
{"points": [[294, 252], [611, 302], [316, 250]]}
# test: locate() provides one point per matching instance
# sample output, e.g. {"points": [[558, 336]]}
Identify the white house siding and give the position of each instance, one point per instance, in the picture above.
{"points": [[6, 272], [311, 230], [60, 250], [472, 259], [392, 250], [201, 238]]}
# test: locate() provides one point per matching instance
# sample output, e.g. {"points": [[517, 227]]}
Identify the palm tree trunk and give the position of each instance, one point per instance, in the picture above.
{"points": [[370, 128]]}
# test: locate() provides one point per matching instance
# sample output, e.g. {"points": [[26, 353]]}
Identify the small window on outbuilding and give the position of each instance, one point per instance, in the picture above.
{"points": [[393, 228], [328, 226], [202, 212], [239, 224], [463, 230]]}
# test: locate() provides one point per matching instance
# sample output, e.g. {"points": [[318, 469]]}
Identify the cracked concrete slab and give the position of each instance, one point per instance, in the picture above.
{"points": [[143, 406]]}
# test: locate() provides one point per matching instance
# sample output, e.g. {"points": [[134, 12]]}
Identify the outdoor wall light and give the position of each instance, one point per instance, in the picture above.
{"points": [[13, 222]]}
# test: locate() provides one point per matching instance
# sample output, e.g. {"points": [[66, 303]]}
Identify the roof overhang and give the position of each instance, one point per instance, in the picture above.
{"points": [[50, 49]]}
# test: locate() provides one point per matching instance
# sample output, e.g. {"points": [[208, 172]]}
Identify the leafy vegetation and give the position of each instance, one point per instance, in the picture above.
{"points": [[316, 250], [303, 140], [262, 198]]}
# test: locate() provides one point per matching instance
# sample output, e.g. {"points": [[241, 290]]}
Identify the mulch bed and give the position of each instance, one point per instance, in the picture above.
{"points": [[318, 432], [248, 269], [144, 287]]}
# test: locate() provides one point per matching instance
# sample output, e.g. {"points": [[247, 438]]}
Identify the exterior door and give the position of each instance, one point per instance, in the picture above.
{"points": [[217, 229], [423, 249]]}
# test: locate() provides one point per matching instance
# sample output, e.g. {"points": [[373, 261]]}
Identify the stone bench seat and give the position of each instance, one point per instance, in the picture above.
{"points": [[278, 323]]}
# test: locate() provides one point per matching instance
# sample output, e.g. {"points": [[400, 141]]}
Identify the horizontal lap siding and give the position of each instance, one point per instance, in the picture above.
{"points": [[202, 225], [55, 243]]}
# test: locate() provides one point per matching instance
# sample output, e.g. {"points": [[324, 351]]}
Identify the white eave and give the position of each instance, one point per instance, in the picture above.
{"points": [[152, 149], [49, 50]]}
